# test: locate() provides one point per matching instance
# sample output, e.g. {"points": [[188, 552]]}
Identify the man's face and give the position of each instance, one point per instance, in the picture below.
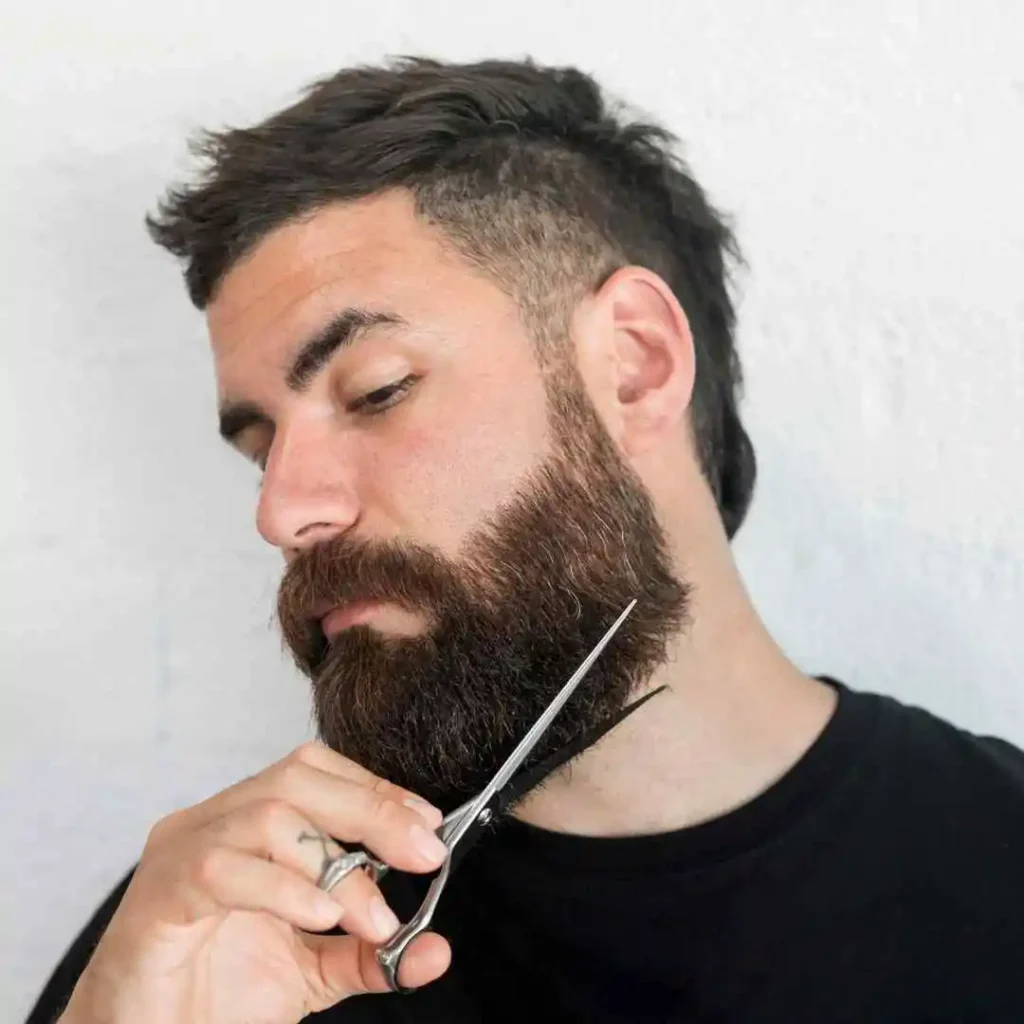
{"points": [[459, 527]]}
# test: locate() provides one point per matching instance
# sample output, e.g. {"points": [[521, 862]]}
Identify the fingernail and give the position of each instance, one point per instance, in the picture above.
{"points": [[383, 918], [427, 844], [428, 811]]}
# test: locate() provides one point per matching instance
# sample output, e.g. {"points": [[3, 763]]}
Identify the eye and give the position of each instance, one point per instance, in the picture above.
{"points": [[381, 399]]}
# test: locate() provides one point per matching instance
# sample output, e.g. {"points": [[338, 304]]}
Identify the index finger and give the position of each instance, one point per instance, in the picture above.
{"points": [[312, 754], [319, 755]]}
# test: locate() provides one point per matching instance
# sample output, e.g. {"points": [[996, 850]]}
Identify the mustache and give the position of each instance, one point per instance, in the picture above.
{"points": [[343, 570]]}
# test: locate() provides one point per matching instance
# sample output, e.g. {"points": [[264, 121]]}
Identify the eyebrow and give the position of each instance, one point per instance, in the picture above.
{"points": [[314, 354]]}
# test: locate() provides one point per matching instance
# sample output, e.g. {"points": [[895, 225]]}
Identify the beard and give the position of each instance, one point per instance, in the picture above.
{"points": [[509, 621]]}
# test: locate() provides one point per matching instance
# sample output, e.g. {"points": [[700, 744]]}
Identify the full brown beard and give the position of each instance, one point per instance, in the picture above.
{"points": [[510, 621]]}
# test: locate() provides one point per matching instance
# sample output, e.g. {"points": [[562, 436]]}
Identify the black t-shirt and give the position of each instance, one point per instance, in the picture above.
{"points": [[881, 880]]}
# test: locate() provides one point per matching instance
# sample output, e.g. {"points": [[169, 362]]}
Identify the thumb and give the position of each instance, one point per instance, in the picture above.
{"points": [[347, 966]]}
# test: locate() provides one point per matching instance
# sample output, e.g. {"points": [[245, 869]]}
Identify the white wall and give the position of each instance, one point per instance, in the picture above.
{"points": [[873, 156]]}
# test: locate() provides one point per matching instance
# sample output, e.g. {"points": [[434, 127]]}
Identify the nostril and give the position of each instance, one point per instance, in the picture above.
{"points": [[315, 528], [312, 534]]}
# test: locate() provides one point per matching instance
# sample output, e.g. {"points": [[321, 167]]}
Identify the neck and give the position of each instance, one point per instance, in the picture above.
{"points": [[736, 715]]}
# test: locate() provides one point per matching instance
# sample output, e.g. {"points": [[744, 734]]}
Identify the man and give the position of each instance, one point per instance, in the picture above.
{"points": [[475, 328]]}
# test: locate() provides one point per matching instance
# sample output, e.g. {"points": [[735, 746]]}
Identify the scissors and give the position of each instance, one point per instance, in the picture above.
{"points": [[455, 825]]}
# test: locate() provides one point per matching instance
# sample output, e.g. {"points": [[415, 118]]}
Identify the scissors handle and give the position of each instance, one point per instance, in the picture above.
{"points": [[344, 864], [389, 955]]}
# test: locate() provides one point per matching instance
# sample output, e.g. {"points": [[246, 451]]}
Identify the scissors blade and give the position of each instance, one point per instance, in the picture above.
{"points": [[470, 811]]}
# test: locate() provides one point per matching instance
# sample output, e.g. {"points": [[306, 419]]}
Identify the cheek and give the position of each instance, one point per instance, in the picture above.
{"points": [[445, 477]]}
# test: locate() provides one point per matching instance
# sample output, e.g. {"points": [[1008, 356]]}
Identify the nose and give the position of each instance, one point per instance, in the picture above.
{"points": [[308, 494]]}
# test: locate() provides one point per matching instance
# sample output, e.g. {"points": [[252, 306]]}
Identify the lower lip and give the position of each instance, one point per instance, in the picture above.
{"points": [[351, 615]]}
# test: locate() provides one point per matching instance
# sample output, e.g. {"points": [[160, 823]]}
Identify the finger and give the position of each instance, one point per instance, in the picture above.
{"points": [[353, 813], [319, 755], [347, 969], [274, 830], [425, 959], [366, 912], [237, 880], [276, 780]]}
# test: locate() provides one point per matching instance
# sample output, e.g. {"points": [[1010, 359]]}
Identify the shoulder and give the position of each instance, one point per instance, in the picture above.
{"points": [[961, 758], [947, 779]]}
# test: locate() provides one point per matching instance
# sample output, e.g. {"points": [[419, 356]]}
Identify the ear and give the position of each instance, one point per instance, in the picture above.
{"points": [[651, 362]]}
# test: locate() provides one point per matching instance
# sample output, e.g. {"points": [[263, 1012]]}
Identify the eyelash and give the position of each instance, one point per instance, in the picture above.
{"points": [[366, 405]]}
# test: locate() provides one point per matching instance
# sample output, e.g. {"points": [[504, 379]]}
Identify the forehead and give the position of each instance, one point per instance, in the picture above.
{"points": [[369, 251]]}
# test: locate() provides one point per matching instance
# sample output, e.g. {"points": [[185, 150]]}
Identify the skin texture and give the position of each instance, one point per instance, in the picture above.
{"points": [[464, 441], [393, 477], [510, 596], [203, 920]]}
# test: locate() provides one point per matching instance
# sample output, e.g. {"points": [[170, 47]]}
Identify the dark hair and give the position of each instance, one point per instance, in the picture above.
{"points": [[526, 170]]}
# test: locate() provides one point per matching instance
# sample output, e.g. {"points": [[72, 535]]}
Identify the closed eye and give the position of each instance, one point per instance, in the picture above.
{"points": [[381, 399], [373, 403]]}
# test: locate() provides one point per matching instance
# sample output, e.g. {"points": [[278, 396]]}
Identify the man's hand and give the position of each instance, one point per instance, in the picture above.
{"points": [[218, 924]]}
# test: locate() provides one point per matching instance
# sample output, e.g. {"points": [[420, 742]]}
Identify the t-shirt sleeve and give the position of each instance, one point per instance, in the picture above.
{"points": [[57, 991], [1007, 756]]}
